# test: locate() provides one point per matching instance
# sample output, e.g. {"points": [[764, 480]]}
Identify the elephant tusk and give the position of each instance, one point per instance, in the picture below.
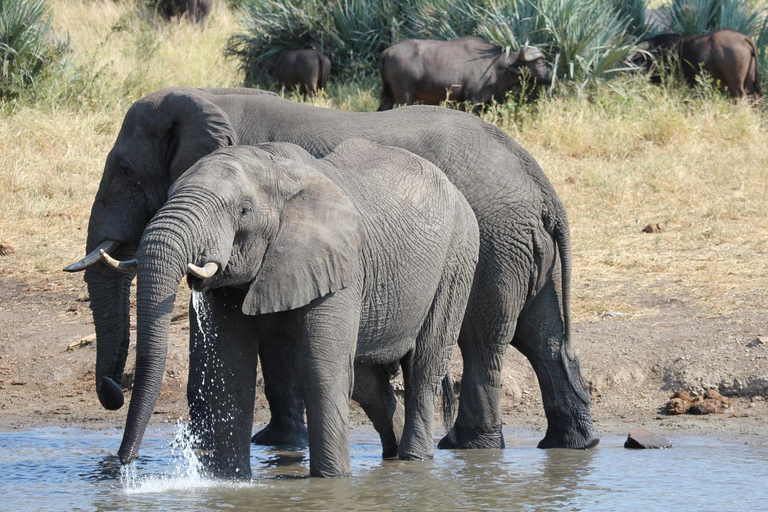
{"points": [[93, 257], [208, 271], [127, 267]]}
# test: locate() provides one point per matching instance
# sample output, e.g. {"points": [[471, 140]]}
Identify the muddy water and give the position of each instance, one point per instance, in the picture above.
{"points": [[73, 469]]}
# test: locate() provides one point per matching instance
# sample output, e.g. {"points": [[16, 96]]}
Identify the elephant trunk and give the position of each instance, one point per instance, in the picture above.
{"points": [[163, 257], [109, 294]]}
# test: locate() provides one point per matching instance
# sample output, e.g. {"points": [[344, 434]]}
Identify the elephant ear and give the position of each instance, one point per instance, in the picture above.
{"points": [[197, 128], [316, 250]]}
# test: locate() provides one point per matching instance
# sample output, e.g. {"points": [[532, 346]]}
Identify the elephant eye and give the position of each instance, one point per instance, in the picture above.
{"points": [[125, 172], [246, 210]]}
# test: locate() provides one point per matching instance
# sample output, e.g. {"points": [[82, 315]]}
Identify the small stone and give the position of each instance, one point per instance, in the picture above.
{"points": [[760, 340], [6, 249], [654, 228], [642, 438], [612, 314]]}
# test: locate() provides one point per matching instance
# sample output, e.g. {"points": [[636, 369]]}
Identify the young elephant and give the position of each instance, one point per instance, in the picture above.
{"points": [[371, 247], [307, 69]]}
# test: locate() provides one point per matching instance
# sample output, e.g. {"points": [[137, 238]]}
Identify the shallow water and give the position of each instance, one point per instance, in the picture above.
{"points": [[75, 469]]}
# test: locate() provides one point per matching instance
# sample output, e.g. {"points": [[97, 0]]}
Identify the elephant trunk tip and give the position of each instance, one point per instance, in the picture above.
{"points": [[110, 394], [127, 456]]}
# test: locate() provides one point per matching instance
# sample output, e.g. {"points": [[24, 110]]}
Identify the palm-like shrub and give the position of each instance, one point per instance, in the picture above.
{"points": [[26, 47], [693, 17]]}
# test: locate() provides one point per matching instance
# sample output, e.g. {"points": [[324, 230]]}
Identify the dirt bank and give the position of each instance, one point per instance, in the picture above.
{"points": [[632, 362]]}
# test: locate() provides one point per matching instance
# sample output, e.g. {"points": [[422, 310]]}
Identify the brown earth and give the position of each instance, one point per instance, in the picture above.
{"points": [[633, 364]]}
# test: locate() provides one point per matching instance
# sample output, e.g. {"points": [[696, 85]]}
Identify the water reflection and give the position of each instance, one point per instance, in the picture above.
{"points": [[66, 469]]}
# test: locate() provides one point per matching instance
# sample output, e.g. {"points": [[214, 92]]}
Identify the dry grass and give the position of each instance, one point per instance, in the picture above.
{"points": [[621, 158]]}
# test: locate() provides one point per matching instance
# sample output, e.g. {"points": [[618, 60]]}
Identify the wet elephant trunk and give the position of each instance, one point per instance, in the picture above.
{"points": [[109, 293], [162, 264]]}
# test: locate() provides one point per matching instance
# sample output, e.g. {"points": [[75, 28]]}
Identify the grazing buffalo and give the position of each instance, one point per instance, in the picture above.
{"points": [[465, 69], [727, 56], [196, 10], [307, 69]]}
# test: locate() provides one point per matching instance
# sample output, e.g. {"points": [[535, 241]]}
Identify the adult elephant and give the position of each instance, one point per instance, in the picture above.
{"points": [[464, 69], [521, 287], [727, 56], [340, 260]]}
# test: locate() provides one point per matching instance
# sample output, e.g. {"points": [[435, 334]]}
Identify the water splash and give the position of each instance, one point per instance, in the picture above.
{"points": [[186, 472]]}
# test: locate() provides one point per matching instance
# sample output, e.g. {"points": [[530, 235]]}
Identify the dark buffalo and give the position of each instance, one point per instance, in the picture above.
{"points": [[196, 10], [307, 69], [465, 69], [729, 57]]}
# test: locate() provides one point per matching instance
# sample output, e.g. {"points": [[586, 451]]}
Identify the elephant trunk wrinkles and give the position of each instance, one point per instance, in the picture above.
{"points": [[109, 294], [163, 257]]}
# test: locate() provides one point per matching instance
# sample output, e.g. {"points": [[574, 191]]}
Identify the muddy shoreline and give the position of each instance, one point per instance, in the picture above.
{"points": [[633, 363]]}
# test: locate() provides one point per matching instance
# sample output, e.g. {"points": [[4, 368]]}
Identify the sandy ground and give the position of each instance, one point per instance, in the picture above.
{"points": [[632, 363]]}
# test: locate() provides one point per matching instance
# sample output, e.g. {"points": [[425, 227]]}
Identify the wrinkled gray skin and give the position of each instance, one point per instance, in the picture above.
{"points": [[518, 295], [465, 69], [196, 10], [727, 56], [369, 248], [306, 69]]}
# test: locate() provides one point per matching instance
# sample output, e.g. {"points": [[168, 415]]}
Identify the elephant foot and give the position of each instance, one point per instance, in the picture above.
{"points": [[575, 436], [565, 431], [462, 438], [282, 434], [411, 456], [390, 452]]}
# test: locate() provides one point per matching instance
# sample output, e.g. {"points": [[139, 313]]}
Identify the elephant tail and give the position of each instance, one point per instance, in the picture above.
{"points": [[449, 402], [570, 361], [755, 58]]}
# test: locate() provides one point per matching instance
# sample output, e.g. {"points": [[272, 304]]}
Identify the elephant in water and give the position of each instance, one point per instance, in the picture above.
{"points": [[521, 288], [370, 248]]}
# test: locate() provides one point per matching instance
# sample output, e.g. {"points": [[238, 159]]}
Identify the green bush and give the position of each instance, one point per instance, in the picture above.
{"points": [[693, 17], [27, 46], [584, 39]]}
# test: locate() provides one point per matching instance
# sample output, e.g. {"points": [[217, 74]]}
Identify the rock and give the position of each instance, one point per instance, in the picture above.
{"points": [[612, 314], [760, 340], [682, 395], [677, 406], [6, 249], [642, 438], [706, 406], [654, 228]]}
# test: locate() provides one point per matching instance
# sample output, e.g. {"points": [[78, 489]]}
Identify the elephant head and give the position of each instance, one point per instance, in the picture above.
{"points": [[240, 217], [162, 135]]}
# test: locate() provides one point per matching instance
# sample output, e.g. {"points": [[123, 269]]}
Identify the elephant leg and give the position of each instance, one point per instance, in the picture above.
{"points": [[281, 387], [425, 367], [539, 337], [375, 395], [222, 385], [325, 361], [478, 424]]}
